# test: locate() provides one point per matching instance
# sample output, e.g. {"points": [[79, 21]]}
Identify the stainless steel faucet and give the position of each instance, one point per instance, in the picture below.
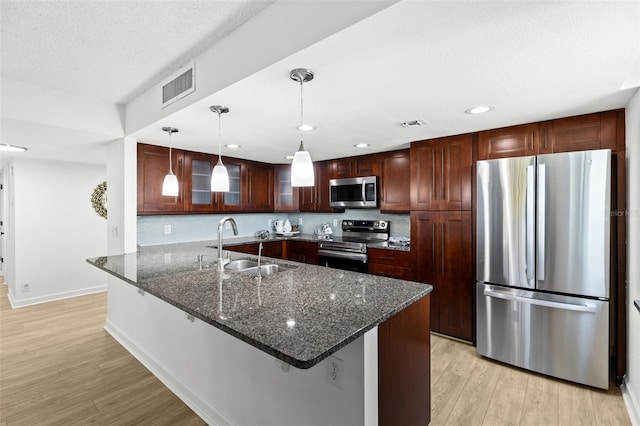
{"points": [[221, 260], [259, 276]]}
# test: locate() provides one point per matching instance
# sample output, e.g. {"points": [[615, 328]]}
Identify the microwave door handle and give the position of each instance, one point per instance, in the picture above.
{"points": [[364, 192]]}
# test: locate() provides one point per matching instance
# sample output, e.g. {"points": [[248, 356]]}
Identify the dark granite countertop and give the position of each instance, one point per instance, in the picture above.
{"points": [[300, 316], [235, 241], [389, 246]]}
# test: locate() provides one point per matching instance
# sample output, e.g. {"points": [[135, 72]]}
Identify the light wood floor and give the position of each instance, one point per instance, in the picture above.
{"points": [[470, 390], [58, 367]]}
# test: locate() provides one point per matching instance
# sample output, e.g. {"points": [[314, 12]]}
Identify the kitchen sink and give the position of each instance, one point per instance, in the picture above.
{"points": [[249, 266]]}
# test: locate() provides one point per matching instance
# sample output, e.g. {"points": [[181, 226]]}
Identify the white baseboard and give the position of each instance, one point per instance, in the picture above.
{"points": [[632, 403], [21, 303], [202, 408]]}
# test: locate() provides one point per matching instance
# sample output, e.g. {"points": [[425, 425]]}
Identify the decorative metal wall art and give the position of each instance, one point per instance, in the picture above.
{"points": [[99, 199]]}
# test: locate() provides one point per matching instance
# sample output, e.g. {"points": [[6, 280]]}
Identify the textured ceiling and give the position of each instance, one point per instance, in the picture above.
{"points": [[412, 60], [111, 50]]}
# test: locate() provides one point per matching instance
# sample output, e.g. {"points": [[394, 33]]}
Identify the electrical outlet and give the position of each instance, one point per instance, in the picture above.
{"points": [[227, 225], [335, 371], [299, 221], [335, 222], [270, 223], [167, 229], [26, 287]]}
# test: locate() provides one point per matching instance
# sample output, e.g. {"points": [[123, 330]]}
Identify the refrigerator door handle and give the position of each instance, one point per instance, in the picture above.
{"points": [[542, 212], [531, 225], [587, 307]]}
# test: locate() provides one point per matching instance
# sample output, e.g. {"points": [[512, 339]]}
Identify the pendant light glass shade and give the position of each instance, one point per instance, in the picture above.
{"points": [[302, 173], [170, 183], [220, 178], [220, 175]]}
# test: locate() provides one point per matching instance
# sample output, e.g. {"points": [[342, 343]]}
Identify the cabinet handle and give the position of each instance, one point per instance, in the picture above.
{"points": [[433, 246], [545, 138], [250, 192], [442, 246], [531, 143], [386, 258], [433, 176], [180, 173], [442, 175]]}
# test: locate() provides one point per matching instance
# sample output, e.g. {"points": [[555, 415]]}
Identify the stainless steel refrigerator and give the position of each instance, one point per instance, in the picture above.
{"points": [[543, 263]]}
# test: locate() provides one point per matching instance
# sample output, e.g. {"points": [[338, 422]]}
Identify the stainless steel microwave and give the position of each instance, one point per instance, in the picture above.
{"points": [[359, 192]]}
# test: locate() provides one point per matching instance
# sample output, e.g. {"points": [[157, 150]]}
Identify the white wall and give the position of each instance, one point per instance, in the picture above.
{"points": [[122, 185], [53, 228], [632, 396]]}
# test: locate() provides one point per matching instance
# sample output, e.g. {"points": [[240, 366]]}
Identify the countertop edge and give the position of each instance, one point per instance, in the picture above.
{"points": [[298, 363]]}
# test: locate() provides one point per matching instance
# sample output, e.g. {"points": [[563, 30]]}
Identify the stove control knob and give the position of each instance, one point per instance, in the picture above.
{"points": [[383, 224]]}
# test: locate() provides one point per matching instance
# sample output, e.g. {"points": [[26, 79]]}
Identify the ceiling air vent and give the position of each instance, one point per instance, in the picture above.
{"points": [[179, 85], [413, 123]]}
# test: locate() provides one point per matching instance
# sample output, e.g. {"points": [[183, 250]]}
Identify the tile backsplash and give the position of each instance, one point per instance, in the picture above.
{"points": [[186, 228]]}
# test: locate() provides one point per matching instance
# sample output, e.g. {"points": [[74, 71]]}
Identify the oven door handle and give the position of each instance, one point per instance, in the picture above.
{"points": [[343, 255]]}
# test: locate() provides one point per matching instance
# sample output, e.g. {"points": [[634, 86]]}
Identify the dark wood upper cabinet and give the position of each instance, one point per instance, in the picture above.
{"points": [[580, 133], [515, 141], [286, 197], [316, 198], [197, 182], [153, 166], [395, 174], [362, 165], [441, 173], [259, 177]]}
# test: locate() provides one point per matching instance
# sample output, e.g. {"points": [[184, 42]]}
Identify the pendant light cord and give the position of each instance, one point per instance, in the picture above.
{"points": [[219, 136], [301, 109], [170, 162]]}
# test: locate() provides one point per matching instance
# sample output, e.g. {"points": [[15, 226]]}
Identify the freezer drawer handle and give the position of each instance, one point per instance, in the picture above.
{"points": [[588, 307]]}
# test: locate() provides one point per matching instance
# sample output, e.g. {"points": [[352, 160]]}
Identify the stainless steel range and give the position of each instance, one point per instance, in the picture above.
{"points": [[350, 251]]}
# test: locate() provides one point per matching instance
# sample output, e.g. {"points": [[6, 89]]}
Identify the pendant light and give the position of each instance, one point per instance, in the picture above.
{"points": [[302, 173], [170, 184], [220, 176]]}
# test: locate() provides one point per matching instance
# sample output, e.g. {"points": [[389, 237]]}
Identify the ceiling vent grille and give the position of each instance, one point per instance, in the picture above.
{"points": [[179, 85], [414, 123]]}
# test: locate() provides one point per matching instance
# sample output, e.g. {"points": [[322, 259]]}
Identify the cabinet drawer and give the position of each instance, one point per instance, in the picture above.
{"points": [[390, 263], [392, 271], [390, 257]]}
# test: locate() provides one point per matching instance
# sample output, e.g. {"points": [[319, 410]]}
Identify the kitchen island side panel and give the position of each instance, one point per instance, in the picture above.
{"points": [[226, 381]]}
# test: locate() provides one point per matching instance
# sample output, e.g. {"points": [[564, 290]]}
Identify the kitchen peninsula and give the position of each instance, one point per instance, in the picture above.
{"points": [[224, 341]]}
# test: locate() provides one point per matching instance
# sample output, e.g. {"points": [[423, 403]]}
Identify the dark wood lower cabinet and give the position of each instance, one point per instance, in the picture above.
{"points": [[269, 249], [390, 263], [404, 367], [300, 251], [443, 255]]}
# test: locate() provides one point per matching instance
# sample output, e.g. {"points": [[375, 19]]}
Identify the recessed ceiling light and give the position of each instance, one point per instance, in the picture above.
{"points": [[361, 145], [232, 146], [305, 127], [11, 148], [289, 157], [480, 109], [414, 123]]}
